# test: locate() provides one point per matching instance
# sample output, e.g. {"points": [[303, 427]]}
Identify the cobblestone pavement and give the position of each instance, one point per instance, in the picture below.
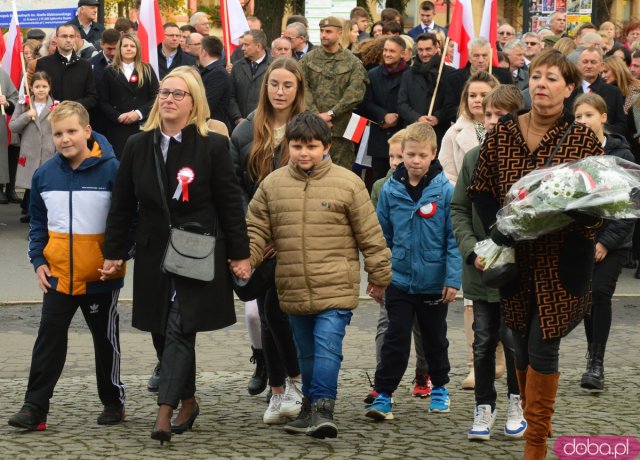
{"points": [[230, 424]]}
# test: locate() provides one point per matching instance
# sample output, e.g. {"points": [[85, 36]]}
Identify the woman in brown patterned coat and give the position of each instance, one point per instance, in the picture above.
{"points": [[551, 294]]}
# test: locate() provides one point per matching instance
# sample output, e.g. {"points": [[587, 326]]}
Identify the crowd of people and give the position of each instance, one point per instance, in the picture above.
{"points": [[247, 146]]}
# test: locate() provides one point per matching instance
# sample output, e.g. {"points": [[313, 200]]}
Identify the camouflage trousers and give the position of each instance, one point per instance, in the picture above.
{"points": [[342, 152]]}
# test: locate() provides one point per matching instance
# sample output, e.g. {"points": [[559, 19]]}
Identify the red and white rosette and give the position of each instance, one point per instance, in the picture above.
{"points": [[133, 78], [427, 211], [185, 177]]}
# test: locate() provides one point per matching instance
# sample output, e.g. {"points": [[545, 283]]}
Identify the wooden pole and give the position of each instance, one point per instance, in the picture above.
{"points": [[227, 37], [490, 61], [4, 114], [435, 90], [26, 84]]}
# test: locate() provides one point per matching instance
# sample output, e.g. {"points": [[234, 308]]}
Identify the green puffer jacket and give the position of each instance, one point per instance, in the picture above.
{"points": [[318, 223], [468, 231]]}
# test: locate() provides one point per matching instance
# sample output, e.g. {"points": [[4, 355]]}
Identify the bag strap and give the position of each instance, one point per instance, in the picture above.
{"points": [[157, 154], [555, 150]]}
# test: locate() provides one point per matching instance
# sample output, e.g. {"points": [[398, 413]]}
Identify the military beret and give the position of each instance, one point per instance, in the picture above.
{"points": [[88, 3], [331, 21]]}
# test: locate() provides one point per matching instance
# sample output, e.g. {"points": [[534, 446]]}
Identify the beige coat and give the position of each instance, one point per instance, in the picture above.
{"points": [[36, 141], [318, 223], [457, 141]]}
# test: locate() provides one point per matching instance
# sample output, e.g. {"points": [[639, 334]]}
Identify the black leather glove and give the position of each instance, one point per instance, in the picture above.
{"points": [[500, 238], [584, 219]]}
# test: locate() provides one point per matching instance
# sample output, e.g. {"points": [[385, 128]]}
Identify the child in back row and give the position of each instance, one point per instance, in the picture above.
{"points": [[421, 388], [414, 213], [319, 217]]}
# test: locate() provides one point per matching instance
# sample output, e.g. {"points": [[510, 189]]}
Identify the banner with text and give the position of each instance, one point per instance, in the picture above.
{"points": [[41, 14]]}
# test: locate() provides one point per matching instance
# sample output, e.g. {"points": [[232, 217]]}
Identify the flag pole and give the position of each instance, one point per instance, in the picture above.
{"points": [[4, 114], [435, 90], [25, 84], [490, 61], [227, 37]]}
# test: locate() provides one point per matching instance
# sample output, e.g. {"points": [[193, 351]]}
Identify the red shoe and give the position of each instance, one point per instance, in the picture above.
{"points": [[422, 385], [371, 396]]}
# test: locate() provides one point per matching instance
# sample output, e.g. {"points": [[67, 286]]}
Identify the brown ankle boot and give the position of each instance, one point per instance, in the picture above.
{"points": [[541, 390]]}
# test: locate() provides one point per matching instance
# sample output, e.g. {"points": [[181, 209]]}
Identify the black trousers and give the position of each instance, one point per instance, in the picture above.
{"points": [[277, 340], [432, 318], [532, 350], [50, 350], [379, 167], [178, 364], [488, 330], [605, 278]]}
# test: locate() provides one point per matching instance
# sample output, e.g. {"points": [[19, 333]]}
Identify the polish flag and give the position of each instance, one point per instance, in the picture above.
{"points": [[150, 32], [461, 31], [10, 54], [489, 27], [355, 128], [234, 25]]}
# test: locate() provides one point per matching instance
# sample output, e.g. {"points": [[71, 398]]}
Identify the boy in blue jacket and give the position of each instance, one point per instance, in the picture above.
{"points": [[414, 212], [70, 199]]}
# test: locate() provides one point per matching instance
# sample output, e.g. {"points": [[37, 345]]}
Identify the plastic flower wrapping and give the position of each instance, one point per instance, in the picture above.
{"points": [[602, 186]]}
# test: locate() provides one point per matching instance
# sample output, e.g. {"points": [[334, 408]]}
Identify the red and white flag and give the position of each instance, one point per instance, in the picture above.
{"points": [[150, 32], [461, 31], [11, 62], [489, 27], [355, 128], [234, 25]]}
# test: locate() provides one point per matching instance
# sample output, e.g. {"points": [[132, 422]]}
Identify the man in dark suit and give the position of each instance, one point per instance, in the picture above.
{"points": [[217, 83], [85, 21], [71, 77], [427, 24], [297, 34], [590, 65], [99, 62], [170, 55], [418, 84], [479, 57], [247, 75]]}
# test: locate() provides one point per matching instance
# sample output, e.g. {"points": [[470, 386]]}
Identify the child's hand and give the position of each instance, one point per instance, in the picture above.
{"points": [[269, 251], [43, 272], [240, 268], [32, 113], [449, 294], [478, 263], [109, 267], [376, 292]]}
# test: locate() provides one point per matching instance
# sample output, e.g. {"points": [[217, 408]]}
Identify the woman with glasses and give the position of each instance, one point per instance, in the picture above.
{"points": [[127, 91], [176, 173], [257, 149]]}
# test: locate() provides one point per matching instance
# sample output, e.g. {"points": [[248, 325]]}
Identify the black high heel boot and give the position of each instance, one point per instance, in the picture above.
{"points": [[157, 433], [188, 425]]}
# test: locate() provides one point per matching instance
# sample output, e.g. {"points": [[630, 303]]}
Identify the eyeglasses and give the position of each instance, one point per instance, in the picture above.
{"points": [[177, 94], [531, 43], [504, 32], [66, 37]]}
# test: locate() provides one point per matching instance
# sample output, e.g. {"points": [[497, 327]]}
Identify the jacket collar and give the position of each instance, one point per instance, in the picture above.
{"points": [[319, 171]]}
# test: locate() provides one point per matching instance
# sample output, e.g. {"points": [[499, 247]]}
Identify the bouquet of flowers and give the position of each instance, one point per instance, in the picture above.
{"points": [[601, 186]]}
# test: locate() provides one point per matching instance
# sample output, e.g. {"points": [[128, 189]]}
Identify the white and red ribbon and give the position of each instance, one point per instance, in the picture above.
{"points": [[185, 177]]}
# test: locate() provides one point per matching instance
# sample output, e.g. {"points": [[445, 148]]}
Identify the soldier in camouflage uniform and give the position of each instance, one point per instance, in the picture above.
{"points": [[335, 83]]}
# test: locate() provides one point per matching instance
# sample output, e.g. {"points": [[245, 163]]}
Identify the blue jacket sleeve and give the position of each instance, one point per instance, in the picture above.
{"points": [[384, 217], [454, 260], [38, 229]]}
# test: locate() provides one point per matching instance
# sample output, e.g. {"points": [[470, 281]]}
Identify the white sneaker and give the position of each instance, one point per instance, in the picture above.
{"points": [[516, 424], [483, 420], [292, 399], [272, 414]]}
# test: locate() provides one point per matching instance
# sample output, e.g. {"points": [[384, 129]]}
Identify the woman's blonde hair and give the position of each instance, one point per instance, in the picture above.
{"points": [[594, 100], [260, 161], [622, 74], [345, 40], [565, 45], [143, 69], [478, 77], [200, 108]]}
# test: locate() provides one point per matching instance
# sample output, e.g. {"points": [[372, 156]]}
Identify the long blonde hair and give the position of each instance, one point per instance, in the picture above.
{"points": [[260, 161], [142, 68], [199, 111]]}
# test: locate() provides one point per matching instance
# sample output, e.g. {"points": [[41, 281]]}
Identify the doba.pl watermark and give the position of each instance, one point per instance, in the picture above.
{"points": [[597, 447]]}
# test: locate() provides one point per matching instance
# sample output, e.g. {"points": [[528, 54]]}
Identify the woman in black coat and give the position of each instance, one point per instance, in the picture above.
{"points": [[176, 141], [127, 91]]}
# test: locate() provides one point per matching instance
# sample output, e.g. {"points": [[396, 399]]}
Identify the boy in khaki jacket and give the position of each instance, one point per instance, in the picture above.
{"points": [[319, 217]]}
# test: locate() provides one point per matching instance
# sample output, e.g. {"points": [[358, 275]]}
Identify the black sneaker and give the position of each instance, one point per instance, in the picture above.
{"points": [[303, 421], [29, 418], [154, 380], [112, 414]]}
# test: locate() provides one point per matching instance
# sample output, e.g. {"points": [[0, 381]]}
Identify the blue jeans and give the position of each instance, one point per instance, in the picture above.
{"points": [[319, 344]]}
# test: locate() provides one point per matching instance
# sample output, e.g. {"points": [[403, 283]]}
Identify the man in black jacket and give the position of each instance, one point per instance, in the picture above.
{"points": [[170, 55], [479, 58], [418, 84], [215, 78], [380, 103], [71, 77], [99, 62], [590, 65], [85, 21]]}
